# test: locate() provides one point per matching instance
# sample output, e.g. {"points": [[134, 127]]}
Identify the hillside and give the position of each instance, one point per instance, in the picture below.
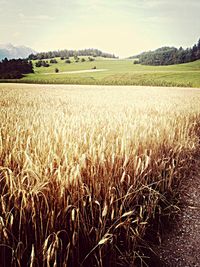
{"points": [[113, 72], [71, 53], [110, 71], [169, 55], [10, 51]]}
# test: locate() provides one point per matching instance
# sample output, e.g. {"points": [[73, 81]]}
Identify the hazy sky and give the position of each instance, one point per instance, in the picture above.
{"points": [[123, 27]]}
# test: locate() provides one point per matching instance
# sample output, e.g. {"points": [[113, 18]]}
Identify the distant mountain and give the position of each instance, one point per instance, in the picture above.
{"points": [[10, 51]]}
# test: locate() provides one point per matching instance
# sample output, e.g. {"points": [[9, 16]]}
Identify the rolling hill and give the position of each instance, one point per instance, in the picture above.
{"points": [[168, 56]]}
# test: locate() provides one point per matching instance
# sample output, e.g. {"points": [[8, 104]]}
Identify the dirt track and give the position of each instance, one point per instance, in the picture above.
{"points": [[180, 247], [76, 71]]}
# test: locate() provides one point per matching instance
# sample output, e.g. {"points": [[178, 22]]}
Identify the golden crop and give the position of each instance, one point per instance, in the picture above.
{"points": [[84, 169]]}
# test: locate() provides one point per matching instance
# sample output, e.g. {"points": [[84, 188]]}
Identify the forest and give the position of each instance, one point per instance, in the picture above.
{"points": [[169, 56], [70, 53], [15, 68]]}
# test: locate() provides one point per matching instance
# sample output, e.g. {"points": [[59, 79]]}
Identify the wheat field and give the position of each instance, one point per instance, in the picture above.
{"points": [[83, 170]]}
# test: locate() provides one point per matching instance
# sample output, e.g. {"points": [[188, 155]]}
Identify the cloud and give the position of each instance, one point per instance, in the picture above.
{"points": [[41, 17], [157, 4], [16, 34]]}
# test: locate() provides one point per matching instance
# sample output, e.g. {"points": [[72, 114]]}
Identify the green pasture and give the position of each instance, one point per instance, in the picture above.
{"points": [[116, 72]]}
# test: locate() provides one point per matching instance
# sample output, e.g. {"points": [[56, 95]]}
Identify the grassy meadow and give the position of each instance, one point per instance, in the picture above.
{"points": [[116, 72], [84, 170]]}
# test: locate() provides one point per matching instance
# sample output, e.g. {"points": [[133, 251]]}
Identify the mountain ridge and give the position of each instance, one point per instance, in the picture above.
{"points": [[10, 51]]}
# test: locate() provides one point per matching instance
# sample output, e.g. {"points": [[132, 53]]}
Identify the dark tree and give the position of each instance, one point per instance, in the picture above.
{"points": [[70, 53], [198, 49], [91, 59], [42, 63], [53, 61], [169, 55], [15, 68], [32, 57]]}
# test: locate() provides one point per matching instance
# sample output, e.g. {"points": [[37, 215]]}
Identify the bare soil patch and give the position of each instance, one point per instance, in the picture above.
{"points": [[78, 71], [180, 246]]}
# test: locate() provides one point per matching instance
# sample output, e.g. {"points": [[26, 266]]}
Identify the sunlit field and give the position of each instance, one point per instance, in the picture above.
{"points": [[118, 72], [115, 72], [84, 170]]}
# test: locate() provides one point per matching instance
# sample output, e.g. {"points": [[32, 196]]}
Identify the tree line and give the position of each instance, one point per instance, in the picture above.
{"points": [[169, 56], [46, 63], [15, 68], [70, 53]]}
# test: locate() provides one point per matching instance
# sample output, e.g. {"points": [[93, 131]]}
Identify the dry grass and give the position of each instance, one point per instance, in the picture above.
{"points": [[83, 170]]}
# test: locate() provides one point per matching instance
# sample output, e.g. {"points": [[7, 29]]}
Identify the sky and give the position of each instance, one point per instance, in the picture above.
{"points": [[122, 27]]}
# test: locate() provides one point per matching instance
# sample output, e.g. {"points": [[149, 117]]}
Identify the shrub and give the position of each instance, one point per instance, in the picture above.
{"points": [[38, 64], [91, 59], [53, 61], [42, 63]]}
